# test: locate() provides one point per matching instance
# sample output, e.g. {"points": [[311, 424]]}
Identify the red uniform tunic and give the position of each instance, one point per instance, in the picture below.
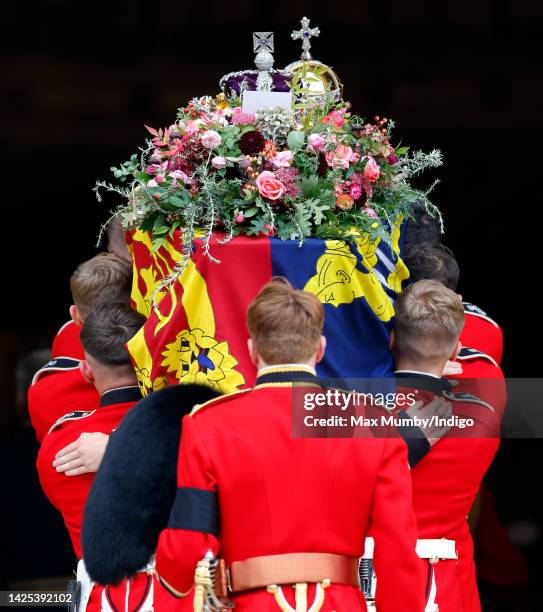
{"points": [[277, 494], [481, 332], [67, 343], [445, 484], [480, 374], [477, 364], [58, 388], [69, 493]]}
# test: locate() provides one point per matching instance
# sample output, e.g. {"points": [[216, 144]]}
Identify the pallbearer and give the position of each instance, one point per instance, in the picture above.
{"points": [[429, 320], [59, 387], [434, 261], [288, 516], [107, 366], [105, 278]]}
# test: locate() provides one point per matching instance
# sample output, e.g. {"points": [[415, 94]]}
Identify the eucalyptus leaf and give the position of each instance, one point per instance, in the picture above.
{"points": [[295, 140], [250, 212]]}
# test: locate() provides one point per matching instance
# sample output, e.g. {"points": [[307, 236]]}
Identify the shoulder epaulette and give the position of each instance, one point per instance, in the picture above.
{"points": [[467, 397], [478, 312], [467, 353], [59, 364], [218, 400], [71, 416]]}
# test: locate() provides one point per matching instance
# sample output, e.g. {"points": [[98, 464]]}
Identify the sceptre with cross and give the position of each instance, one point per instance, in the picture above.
{"points": [[305, 34]]}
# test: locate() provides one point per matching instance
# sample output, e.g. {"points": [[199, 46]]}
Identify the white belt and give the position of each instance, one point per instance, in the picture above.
{"points": [[433, 551], [86, 586], [426, 549]]}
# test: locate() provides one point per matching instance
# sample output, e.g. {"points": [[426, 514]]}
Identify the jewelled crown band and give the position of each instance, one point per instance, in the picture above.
{"points": [[317, 81]]}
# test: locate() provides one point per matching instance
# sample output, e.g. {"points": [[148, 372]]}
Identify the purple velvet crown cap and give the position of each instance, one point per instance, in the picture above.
{"points": [[235, 82]]}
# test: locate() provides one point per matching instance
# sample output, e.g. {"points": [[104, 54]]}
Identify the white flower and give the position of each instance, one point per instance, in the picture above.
{"points": [[211, 139], [219, 162]]}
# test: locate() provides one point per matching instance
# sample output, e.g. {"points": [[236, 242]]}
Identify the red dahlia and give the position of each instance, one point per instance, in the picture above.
{"points": [[252, 143]]}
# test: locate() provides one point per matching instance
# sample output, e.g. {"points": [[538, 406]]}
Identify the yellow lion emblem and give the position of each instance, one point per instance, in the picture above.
{"points": [[338, 280], [198, 358]]}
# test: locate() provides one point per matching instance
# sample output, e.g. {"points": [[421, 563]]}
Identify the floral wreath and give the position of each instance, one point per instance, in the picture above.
{"points": [[316, 170]]}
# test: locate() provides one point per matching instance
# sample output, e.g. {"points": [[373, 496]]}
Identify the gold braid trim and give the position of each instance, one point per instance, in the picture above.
{"points": [[286, 368]]}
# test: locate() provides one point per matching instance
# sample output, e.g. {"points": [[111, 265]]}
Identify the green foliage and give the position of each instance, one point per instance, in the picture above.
{"points": [[295, 140], [316, 209], [258, 225], [126, 169]]}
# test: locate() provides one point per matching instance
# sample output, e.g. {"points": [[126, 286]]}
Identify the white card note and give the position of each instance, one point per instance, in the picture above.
{"points": [[258, 100]]}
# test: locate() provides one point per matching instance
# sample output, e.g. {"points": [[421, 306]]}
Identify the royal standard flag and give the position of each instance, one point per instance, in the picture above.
{"points": [[196, 330]]}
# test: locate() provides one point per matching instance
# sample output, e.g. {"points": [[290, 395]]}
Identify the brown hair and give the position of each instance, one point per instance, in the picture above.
{"points": [[105, 278], [429, 319], [427, 261], [106, 331], [285, 323]]}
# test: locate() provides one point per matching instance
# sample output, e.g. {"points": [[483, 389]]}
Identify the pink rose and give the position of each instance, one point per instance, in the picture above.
{"points": [[340, 158], [211, 139], [219, 162], [371, 170], [191, 127], [283, 159], [179, 175], [241, 118], [371, 213], [355, 191], [316, 142], [240, 218], [335, 117], [152, 169], [268, 186], [158, 178]]}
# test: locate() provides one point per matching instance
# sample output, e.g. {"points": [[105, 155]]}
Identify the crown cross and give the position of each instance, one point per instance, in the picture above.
{"points": [[263, 41], [305, 34]]}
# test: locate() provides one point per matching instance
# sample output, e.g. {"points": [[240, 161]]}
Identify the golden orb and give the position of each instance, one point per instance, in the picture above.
{"points": [[317, 81]]}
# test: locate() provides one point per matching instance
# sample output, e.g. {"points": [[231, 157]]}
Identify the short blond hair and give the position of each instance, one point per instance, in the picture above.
{"points": [[105, 278], [429, 319], [285, 323]]}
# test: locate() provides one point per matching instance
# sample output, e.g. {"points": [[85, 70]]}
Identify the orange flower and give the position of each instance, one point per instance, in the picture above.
{"points": [[270, 150], [344, 202]]}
